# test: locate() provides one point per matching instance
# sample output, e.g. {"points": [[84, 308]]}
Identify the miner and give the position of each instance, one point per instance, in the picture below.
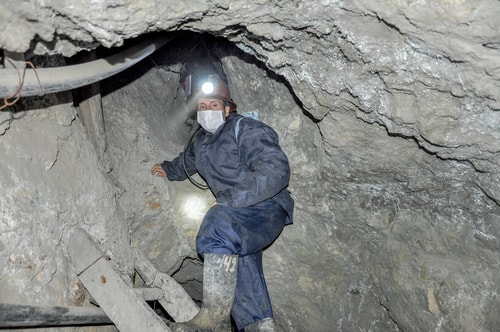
{"points": [[248, 173]]}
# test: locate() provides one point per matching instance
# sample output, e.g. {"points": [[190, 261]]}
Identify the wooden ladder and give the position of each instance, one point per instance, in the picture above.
{"points": [[125, 305]]}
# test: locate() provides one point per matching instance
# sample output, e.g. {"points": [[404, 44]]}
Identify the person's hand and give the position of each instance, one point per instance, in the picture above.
{"points": [[157, 170]]}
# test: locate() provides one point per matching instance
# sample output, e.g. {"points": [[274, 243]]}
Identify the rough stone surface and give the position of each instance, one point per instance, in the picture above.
{"points": [[51, 183], [388, 111]]}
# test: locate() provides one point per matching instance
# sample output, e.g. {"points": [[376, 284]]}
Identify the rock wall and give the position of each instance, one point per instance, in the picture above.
{"points": [[388, 111], [52, 183]]}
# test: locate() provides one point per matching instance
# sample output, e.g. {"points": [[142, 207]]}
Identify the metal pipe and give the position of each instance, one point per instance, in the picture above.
{"points": [[70, 77], [20, 315]]}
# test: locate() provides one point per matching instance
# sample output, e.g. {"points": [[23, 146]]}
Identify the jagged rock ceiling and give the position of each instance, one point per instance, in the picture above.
{"points": [[388, 110]]}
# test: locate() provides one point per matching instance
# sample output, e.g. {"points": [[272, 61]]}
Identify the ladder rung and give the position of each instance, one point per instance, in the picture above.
{"points": [[149, 294]]}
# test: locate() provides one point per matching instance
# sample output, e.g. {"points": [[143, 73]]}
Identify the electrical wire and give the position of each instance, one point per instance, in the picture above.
{"points": [[193, 181]]}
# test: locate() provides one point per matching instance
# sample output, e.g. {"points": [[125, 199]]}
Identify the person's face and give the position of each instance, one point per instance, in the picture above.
{"points": [[212, 104]]}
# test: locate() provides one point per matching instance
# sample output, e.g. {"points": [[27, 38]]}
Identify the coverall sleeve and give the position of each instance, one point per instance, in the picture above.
{"points": [[266, 168], [175, 168]]}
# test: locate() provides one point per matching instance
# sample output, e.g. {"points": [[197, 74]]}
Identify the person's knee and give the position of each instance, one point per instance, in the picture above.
{"points": [[217, 234]]}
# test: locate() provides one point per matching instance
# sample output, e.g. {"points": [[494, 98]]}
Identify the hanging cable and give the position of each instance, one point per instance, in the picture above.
{"points": [[17, 94], [193, 181]]}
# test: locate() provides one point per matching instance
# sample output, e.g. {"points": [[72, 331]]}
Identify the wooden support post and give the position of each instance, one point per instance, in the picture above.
{"points": [[88, 99], [120, 302], [18, 315]]}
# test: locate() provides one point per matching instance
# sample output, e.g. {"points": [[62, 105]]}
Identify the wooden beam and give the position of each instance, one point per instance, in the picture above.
{"points": [[89, 102], [101, 278]]}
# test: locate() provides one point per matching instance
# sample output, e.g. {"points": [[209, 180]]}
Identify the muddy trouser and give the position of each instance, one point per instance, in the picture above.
{"points": [[244, 232]]}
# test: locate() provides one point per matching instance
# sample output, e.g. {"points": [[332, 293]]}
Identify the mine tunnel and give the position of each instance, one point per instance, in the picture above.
{"points": [[388, 113]]}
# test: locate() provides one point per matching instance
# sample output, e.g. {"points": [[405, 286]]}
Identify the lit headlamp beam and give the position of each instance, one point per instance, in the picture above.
{"points": [[207, 88]]}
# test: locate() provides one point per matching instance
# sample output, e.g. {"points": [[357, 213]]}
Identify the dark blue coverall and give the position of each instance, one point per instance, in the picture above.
{"points": [[248, 176]]}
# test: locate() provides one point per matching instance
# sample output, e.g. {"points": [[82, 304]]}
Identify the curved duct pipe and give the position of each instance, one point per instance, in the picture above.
{"points": [[70, 77]]}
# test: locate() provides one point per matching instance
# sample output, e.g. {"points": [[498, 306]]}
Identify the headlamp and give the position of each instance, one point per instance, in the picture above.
{"points": [[207, 88]]}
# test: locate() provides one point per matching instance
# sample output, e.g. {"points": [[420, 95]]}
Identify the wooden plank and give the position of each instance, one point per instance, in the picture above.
{"points": [[83, 251], [149, 294], [120, 302], [176, 301], [20, 315]]}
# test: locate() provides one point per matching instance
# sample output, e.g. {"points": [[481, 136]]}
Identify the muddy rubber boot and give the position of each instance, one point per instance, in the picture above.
{"points": [[219, 285], [263, 325]]}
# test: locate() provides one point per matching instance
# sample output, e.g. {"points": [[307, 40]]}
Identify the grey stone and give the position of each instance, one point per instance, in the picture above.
{"points": [[389, 114]]}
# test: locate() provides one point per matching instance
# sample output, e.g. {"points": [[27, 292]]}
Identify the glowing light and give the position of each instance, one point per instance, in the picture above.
{"points": [[207, 88], [193, 207]]}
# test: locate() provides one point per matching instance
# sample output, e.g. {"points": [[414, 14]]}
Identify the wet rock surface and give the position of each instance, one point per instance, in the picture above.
{"points": [[389, 114]]}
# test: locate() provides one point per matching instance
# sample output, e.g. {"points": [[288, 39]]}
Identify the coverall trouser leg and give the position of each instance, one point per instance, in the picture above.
{"points": [[244, 232]]}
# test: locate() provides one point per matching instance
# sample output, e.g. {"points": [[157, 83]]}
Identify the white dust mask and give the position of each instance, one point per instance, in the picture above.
{"points": [[211, 120]]}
